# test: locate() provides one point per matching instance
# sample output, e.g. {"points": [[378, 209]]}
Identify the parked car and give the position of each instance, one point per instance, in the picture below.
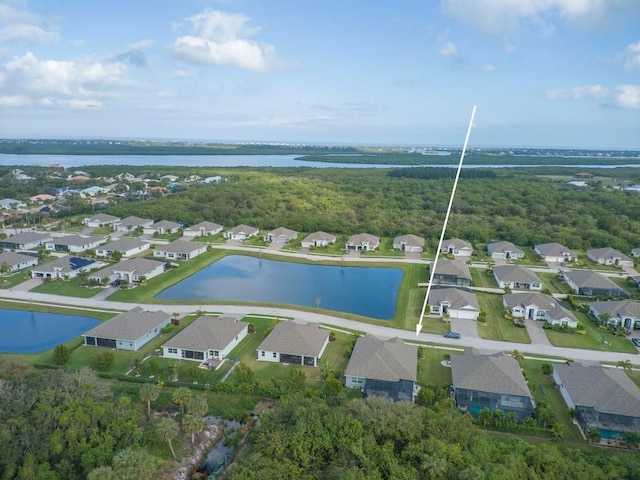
{"points": [[636, 341], [116, 283], [451, 335]]}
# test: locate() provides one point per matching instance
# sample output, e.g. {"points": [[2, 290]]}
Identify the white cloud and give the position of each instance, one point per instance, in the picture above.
{"points": [[622, 96], [134, 54], [627, 96], [183, 74], [448, 49], [219, 38], [632, 54], [488, 68], [25, 27], [577, 93], [14, 101]]}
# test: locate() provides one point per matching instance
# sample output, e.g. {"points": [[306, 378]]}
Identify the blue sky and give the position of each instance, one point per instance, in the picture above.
{"points": [[543, 73]]}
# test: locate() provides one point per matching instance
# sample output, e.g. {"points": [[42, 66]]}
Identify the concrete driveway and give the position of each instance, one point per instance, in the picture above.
{"points": [[536, 332], [466, 328]]}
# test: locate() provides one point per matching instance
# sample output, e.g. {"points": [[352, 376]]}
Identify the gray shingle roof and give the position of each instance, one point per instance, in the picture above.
{"points": [[129, 325], [618, 308], [515, 273], [607, 390], [296, 339], [103, 218], [282, 231], [457, 244], [204, 226], [141, 266], [27, 237], [589, 279], [390, 360], [453, 267], [553, 250], [244, 229], [360, 238], [208, 333], [456, 297], [503, 246], [409, 239], [78, 240], [495, 373], [607, 253], [67, 264], [166, 224], [12, 258], [133, 221], [320, 236], [179, 246], [123, 244]]}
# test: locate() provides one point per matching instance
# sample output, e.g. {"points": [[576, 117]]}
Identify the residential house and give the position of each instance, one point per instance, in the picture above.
{"points": [[179, 250], [554, 253], [294, 343], [494, 381], [206, 338], [127, 331], [538, 306], [241, 232], [12, 204], [131, 270], [623, 313], [318, 239], [603, 398], [25, 241], [584, 175], [92, 191], [214, 179], [453, 302], [408, 243], [457, 247], [516, 277], [131, 223], [65, 267], [501, 250], [280, 235], [75, 243], [587, 282], [364, 242], [635, 252], [101, 219], [169, 178], [452, 272], [202, 229], [383, 368], [14, 262], [163, 227], [609, 256], [127, 247], [42, 198]]}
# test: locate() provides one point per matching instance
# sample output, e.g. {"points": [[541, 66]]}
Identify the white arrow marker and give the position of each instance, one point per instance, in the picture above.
{"points": [[446, 220]]}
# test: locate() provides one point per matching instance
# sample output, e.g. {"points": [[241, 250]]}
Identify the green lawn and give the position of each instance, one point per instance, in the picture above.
{"points": [[430, 369], [497, 327], [14, 279], [385, 249], [553, 283], [480, 278], [69, 288]]}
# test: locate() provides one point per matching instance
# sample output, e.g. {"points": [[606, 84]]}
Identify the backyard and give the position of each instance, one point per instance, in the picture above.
{"points": [[497, 327]]}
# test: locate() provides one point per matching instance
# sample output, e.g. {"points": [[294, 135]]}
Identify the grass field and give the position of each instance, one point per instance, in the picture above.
{"points": [[480, 278], [553, 283], [497, 327], [430, 368], [69, 288]]}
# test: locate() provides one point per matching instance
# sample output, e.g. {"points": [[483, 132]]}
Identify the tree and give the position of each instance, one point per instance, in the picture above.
{"points": [[192, 425], [593, 435], [116, 255], [149, 393], [104, 360], [557, 429], [61, 354], [167, 429], [547, 369], [625, 365], [485, 417], [181, 396], [243, 374], [134, 463], [517, 355], [198, 406], [296, 380], [102, 473]]}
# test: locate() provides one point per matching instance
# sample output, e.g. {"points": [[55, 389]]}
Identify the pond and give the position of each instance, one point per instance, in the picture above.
{"points": [[26, 331], [368, 291]]}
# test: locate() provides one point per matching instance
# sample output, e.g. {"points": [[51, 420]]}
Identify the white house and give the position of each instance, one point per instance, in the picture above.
{"points": [[318, 239], [65, 267], [609, 256], [364, 242], [126, 246], [538, 306], [456, 247], [454, 302], [163, 227], [294, 343], [75, 243], [623, 313], [408, 243], [25, 241], [516, 277], [132, 270], [501, 250], [280, 235], [14, 262], [241, 232], [100, 219], [131, 223], [202, 229], [179, 250], [554, 253]]}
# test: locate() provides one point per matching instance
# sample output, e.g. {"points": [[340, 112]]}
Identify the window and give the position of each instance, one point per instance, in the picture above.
{"points": [[275, 355], [262, 354], [172, 350]]}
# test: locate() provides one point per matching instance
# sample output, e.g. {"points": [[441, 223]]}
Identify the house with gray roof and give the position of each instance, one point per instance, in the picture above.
{"points": [[14, 262], [318, 239], [363, 242], [516, 277], [452, 272], [100, 220], [456, 247], [408, 243], [132, 223], [126, 246], [163, 227], [294, 343], [206, 338], [587, 282], [280, 235], [539, 306], [454, 302], [202, 229], [241, 232], [383, 368], [501, 250], [26, 241], [554, 253], [128, 330], [131, 270], [623, 313], [609, 256], [494, 381], [75, 243], [12, 204], [179, 250], [604, 398], [65, 267]]}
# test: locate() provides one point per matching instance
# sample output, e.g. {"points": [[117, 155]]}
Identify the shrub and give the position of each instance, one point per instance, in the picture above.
{"points": [[61, 354], [104, 360], [168, 329]]}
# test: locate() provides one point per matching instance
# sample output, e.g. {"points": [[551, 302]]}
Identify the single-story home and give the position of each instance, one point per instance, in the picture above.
{"points": [[280, 235], [554, 252], [206, 338], [163, 227], [516, 277], [179, 250], [25, 241], [42, 197], [408, 243], [457, 247], [14, 262], [454, 302], [494, 381], [12, 204], [92, 191], [75, 243], [202, 229], [318, 239], [364, 242], [127, 331], [538, 306], [623, 313], [587, 282], [501, 250], [65, 267], [132, 270], [383, 368], [214, 179], [609, 256], [126, 246], [100, 219], [241, 232], [452, 272], [604, 398], [132, 223], [294, 343]]}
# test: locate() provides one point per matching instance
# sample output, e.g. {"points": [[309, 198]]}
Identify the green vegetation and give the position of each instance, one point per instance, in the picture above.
{"points": [[497, 327]]}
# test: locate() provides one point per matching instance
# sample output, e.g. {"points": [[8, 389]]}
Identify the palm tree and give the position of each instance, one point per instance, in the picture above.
{"points": [[181, 396], [198, 406], [517, 355], [625, 365], [102, 473], [134, 463], [192, 425], [167, 430], [148, 393], [593, 435]]}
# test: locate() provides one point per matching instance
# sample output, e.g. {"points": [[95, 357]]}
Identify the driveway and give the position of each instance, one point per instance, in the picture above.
{"points": [[536, 332], [27, 285], [465, 327]]}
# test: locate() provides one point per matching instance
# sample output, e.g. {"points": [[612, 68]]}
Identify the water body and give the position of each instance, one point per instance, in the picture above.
{"points": [[35, 332], [368, 291]]}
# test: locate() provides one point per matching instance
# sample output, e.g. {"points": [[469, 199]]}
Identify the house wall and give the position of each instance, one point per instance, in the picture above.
{"points": [[563, 391], [457, 253], [464, 314], [354, 382], [315, 243], [26, 264], [267, 356]]}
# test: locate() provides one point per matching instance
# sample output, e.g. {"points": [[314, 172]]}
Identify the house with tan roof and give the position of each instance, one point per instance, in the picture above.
{"points": [[363, 242], [318, 239], [294, 343], [408, 243], [280, 235]]}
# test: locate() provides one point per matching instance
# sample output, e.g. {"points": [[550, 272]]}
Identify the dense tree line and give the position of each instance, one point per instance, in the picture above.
{"points": [[430, 173], [307, 439]]}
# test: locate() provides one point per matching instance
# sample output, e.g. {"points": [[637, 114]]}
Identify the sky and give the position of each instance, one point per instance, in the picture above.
{"points": [[542, 73]]}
